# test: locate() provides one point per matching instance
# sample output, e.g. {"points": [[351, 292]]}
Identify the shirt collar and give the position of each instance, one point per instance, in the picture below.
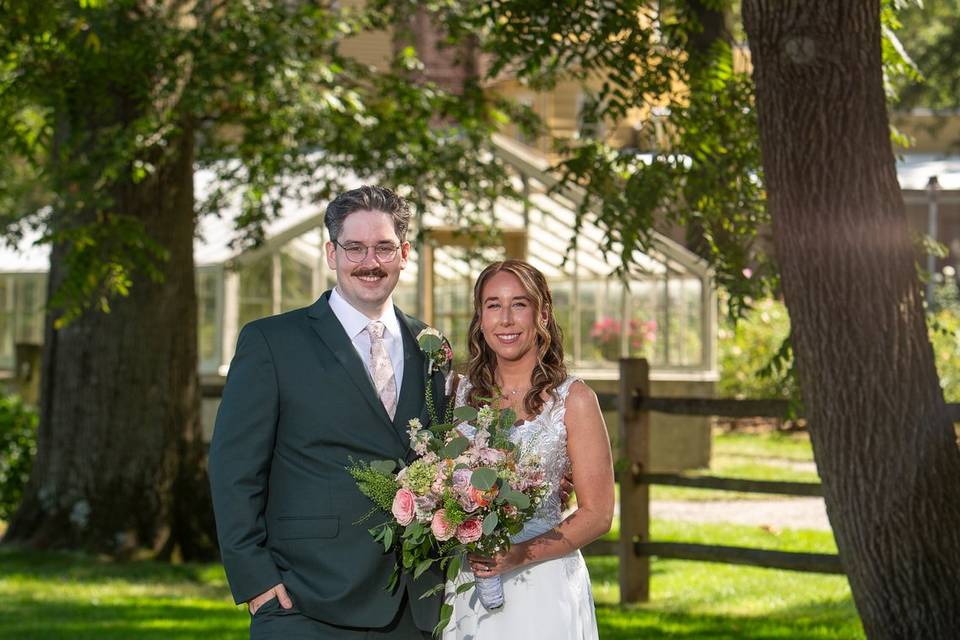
{"points": [[354, 322]]}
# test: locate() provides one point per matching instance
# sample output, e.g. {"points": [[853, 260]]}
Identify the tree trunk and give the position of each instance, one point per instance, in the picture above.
{"points": [[884, 446], [121, 461]]}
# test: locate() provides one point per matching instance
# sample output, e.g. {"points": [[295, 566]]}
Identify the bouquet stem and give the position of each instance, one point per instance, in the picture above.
{"points": [[490, 591]]}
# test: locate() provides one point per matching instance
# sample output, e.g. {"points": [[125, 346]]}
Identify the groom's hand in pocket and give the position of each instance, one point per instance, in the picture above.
{"points": [[279, 592]]}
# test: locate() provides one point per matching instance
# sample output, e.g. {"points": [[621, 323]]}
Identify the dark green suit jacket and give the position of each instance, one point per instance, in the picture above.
{"points": [[297, 405]]}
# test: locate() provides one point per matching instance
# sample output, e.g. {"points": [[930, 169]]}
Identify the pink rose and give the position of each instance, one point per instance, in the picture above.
{"points": [[491, 456], [467, 502], [404, 506], [441, 527], [470, 530], [461, 478]]}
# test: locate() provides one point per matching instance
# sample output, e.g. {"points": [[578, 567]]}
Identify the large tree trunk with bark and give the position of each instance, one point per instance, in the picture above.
{"points": [[885, 448], [121, 461]]}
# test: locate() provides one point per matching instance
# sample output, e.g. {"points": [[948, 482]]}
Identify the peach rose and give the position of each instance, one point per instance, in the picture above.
{"points": [[470, 530], [481, 498], [441, 527], [404, 507]]}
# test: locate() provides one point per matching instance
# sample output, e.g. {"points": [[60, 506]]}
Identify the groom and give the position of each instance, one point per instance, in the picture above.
{"points": [[308, 391]]}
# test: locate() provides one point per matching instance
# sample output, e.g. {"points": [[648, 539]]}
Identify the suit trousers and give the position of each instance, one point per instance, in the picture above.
{"points": [[273, 622]]}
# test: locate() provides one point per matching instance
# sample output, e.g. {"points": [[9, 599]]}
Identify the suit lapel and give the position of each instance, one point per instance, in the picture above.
{"points": [[331, 332]]}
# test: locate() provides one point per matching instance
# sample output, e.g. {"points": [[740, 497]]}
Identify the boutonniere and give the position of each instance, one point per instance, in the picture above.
{"points": [[437, 349], [439, 353]]}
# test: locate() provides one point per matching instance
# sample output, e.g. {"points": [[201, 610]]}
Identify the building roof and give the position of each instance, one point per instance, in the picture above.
{"points": [[914, 170]]}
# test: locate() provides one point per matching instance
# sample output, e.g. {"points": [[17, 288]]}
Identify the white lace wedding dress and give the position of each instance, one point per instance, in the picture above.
{"points": [[550, 599]]}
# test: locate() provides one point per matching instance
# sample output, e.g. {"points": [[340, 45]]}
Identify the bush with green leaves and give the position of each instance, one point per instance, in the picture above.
{"points": [[944, 323], [754, 357], [756, 362], [18, 445]]}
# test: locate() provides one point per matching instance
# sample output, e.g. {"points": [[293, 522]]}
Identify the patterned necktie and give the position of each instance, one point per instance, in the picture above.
{"points": [[381, 369]]}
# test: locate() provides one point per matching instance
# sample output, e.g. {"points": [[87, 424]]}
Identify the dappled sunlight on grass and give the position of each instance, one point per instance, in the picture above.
{"points": [[705, 600], [63, 595]]}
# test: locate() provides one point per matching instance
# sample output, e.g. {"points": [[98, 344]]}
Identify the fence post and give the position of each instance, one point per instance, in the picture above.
{"points": [[634, 495]]}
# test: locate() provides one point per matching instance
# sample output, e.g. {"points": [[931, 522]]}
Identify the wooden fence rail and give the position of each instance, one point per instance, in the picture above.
{"points": [[634, 404]]}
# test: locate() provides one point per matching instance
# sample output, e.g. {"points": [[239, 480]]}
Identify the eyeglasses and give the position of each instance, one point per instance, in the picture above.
{"points": [[358, 252]]}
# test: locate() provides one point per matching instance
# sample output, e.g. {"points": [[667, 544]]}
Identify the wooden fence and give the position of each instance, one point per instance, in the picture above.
{"points": [[634, 404]]}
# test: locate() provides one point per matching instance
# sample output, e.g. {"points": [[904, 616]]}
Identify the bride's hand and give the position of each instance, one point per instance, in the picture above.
{"points": [[487, 567]]}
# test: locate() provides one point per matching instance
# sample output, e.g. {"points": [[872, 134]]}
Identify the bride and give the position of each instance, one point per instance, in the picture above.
{"points": [[516, 351]]}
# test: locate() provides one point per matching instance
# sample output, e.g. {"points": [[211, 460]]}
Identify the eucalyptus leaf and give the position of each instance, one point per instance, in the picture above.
{"points": [[483, 478], [455, 447], [466, 412], [430, 343], [386, 467], [490, 523], [517, 499], [507, 418]]}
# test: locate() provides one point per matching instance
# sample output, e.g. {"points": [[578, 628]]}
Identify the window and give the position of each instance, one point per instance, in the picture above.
{"points": [[22, 298], [209, 317]]}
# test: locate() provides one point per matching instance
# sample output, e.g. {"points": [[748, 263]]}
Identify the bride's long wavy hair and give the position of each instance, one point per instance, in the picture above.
{"points": [[549, 371]]}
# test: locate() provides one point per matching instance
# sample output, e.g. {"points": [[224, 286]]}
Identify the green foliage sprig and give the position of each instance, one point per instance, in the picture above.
{"points": [[18, 446]]}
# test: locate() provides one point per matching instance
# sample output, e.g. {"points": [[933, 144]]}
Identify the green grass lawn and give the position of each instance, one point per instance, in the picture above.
{"points": [[756, 456], [60, 595], [77, 597]]}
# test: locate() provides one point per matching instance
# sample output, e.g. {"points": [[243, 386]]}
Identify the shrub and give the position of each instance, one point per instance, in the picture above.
{"points": [[747, 350], [18, 445]]}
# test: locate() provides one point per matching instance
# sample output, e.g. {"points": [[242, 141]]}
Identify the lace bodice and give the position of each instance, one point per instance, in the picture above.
{"points": [[545, 435]]}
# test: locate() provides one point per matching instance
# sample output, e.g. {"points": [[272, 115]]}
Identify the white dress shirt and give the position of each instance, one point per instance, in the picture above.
{"points": [[355, 324]]}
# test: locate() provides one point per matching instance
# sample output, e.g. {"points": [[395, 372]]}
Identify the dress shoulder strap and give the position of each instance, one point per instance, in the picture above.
{"points": [[564, 387]]}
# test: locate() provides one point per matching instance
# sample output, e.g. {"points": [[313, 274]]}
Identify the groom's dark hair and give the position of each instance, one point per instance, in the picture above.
{"points": [[367, 198]]}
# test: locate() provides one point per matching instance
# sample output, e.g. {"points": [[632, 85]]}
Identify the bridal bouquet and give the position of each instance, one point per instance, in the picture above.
{"points": [[463, 494]]}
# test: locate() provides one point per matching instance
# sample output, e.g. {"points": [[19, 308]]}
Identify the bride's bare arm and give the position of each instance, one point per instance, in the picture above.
{"points": [[589, 450]]}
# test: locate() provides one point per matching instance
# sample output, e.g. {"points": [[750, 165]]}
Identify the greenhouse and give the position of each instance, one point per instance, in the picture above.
{"points": [[664, 310]]}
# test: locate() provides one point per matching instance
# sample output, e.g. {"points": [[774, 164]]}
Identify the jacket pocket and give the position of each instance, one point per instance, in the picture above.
{"points": [[307, 527]]}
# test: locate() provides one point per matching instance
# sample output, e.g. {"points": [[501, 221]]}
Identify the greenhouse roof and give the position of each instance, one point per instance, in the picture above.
{"points": [[552, 214]]}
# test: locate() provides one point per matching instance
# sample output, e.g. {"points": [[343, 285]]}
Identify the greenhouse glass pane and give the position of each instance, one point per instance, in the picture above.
{"points": [[686, 345], [601, 326], [405, 296], [255, 300], [208, 316], [6, 319], [455, 271], [296, 281], [28, 305], [643, 319], [658, 302], [562, 291]]}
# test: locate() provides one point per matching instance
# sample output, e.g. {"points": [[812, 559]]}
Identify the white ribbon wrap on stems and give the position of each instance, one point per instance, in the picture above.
{"points": [[490, 591]]}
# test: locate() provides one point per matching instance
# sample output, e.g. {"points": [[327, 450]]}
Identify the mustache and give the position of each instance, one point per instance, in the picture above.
{"points": [[370, 272]]}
